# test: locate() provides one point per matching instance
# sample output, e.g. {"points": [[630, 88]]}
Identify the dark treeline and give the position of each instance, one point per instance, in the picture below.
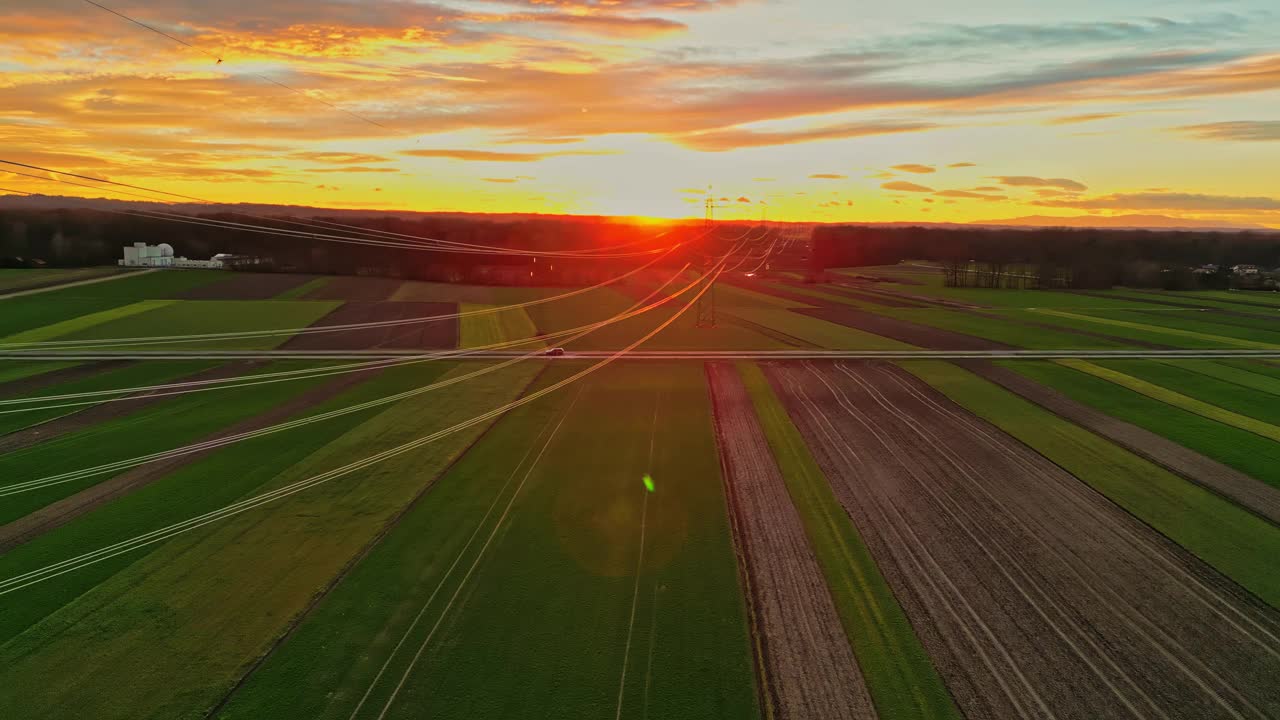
{"points": [[77, 237], [1049, 257]]}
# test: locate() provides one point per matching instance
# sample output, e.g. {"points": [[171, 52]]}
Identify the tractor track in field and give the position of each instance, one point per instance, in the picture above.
{"points": [[87, 416], [59, 513], [1073, 608], [810, 665], [1248, 492]]}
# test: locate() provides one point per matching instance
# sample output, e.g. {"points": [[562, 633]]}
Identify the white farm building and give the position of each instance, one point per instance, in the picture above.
{"points": [[161, 256]]}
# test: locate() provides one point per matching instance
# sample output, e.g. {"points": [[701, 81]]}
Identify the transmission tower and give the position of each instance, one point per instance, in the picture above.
{"points": [[707, 301]]}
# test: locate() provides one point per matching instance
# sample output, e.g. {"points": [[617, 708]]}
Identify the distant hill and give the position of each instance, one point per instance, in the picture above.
{"points": [[1129, 222]]}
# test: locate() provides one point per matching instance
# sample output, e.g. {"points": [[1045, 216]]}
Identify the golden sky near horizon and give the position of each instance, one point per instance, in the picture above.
{"points": [[828, 110]]}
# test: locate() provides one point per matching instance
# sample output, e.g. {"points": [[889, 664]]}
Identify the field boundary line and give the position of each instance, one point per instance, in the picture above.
{"points": [[359, 557]]}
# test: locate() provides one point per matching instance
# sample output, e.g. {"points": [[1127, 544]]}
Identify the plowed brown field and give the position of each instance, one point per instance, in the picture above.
{"points": [[1036, 596], [810, 668]]}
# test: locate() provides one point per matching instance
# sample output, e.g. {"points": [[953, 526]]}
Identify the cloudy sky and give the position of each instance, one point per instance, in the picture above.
{"points": [[831, 110]]}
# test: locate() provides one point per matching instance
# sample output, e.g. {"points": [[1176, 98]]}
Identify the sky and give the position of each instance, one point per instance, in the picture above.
{"points": [[823, 110]]}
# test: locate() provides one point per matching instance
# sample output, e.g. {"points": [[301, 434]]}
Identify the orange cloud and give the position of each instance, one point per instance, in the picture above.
{"points": [[915, 168], [1236, 130], [1029, 181], [354, 169], [903, 186], [339, 158], [967, 194], [734, 138], [491, 156], [828, 176], [1077, 119], [1169, 201]]}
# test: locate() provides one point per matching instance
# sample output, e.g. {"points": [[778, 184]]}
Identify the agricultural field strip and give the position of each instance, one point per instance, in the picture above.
{"points": [[1237, 544], [15, 488], [1203, 384], [33, 338], [1210, 322], [506, 511], [1246, 491], [30, 279], [40, 424], [26, 579], [1242, 377], [913, 578], [63, 510], [810, 666], [40, 336], [639, 572], [1176, 399], [484, 330], [1220, 339], [20, 292], [899, 674], [1071, 489], [963, 418], [410, 357]]}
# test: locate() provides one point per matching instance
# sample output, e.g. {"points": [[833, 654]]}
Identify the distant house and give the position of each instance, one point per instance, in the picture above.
{"points": [[1244, 269], [1205, 270]]}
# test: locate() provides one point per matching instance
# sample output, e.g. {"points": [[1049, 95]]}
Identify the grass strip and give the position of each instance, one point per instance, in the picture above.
{"points": [[1144, 327], [897, 670], [1176, 399], [84, 322]]}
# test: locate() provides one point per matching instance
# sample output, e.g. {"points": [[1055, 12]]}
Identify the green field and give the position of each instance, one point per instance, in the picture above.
{"points": [[219, 595], [169, 423], [495, 327], [209, 483], [17, 416], [191, 317], [549, 603], [37, 311]]}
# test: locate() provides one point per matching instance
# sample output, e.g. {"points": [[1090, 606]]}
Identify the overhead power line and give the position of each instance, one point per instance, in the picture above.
{"points": [[219, 60]]}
